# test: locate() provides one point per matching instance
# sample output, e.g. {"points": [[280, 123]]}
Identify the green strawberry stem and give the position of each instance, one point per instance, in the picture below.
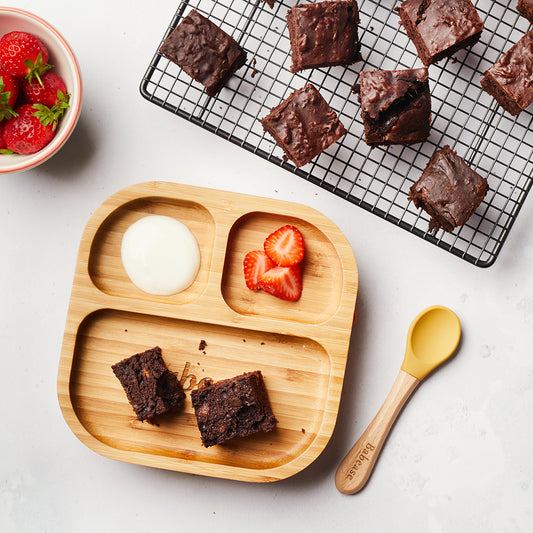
{"points": [[37, 69], [6, 111], [51, 115]]}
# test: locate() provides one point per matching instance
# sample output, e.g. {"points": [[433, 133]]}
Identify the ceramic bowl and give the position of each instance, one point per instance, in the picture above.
{"points": [[64, 63]]}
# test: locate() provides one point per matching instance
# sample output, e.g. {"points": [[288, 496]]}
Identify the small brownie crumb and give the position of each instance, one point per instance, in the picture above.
{"points": [[150, 387], [204, 51], [510, 80], [235, 407], [304, 125], [525, 8], [448, 190], [323, 34], [202, 345], [395, 106], [439, 28]]}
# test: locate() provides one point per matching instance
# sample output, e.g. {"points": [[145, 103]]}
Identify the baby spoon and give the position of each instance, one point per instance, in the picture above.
{"points": [[432, 338]]}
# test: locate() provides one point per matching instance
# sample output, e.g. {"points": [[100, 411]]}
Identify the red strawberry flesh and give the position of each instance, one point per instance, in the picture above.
{"points": [[256, 263], [285, 246], [283, 282]]}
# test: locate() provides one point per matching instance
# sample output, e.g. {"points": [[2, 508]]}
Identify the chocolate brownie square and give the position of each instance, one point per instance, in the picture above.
{"points": [[304, 125], [439, 28], [395, 106], [323, 34], [204, 51], [525, 8], [150, 387], [234, 407], [510, 80], [448, 190]]}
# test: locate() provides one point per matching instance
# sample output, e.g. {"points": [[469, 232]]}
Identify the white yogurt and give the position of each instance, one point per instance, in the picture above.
{"points": [[160, 254]]}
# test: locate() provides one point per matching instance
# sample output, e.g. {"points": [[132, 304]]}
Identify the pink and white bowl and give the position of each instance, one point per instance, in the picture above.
{"points": [[64, 63]]}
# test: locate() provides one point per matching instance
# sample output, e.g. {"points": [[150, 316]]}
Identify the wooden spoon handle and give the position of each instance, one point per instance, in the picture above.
{"points": [[355, 469]]}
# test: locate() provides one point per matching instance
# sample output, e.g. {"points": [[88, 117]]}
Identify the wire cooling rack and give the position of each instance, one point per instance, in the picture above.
{"points": [[492, 142]]}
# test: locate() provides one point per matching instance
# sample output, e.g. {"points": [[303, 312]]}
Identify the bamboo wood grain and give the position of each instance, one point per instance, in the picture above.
{"points": [[355, 469], [301, 347]]}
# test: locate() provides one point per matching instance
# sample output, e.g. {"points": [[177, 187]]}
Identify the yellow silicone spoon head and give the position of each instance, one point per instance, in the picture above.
{"points": [[432, 338]]}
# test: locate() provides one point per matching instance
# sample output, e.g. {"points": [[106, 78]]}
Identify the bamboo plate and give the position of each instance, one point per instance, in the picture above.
{"points": [[300, 347]]}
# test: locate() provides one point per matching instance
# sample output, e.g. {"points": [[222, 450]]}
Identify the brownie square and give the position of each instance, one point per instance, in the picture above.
{"points": [[439, 28], [150, 387], [395, 106], [448, 190], [510, 80], [204, 51], [525, 8], [234, 407], [304, 125], [323, 34]]}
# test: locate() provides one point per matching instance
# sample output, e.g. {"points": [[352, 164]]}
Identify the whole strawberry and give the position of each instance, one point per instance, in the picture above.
{"points": [[23, 55], [49, 92], [9, 90], [32, 129], [3, 145]]}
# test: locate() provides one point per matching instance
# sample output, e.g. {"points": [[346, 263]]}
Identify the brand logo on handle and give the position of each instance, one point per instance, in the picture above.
{"points": [[362, 456]]}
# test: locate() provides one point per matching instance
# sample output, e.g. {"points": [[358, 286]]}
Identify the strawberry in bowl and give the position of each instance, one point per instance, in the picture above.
{"points": [[37, 123]]}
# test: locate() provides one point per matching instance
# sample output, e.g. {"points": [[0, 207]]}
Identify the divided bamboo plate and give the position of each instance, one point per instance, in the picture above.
{"points": [[300, 347]]}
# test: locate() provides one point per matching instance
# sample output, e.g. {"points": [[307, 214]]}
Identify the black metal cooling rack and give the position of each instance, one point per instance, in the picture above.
{"points": [[492, 142]]}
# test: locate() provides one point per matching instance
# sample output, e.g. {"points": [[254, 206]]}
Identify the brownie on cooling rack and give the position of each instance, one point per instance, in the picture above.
{"points": [[204, 51], [150, 387], [323, 34], [510, 80], [525, 8], [439, 28], [304, 125], [234, 407], [448, 190], [395, 106]]}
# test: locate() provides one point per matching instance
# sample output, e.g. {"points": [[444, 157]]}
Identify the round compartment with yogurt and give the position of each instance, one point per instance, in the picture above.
{"points": [[160, 255]]}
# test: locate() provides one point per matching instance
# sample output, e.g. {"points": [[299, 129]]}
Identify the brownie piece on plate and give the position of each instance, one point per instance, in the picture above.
{"points": [[204, 51], [304, 125], [151, 388], [439, 28], [395, 106], [448, 190], [323, 34], [525, 8], [510, 80], [234, 407]]}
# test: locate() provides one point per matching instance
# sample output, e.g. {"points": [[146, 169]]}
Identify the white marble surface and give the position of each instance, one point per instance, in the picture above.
{"points": [[460, 456]]}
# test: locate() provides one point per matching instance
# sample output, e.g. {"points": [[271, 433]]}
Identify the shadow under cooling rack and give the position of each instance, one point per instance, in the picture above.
{"points": [[493, 143]]}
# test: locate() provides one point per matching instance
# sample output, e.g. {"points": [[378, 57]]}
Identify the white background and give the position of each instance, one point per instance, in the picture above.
{"points": [[460, 457]]}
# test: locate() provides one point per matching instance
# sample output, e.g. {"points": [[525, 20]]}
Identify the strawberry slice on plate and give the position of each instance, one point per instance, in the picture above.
{"points": [[256, 263], [285, 246], [282, 282]]}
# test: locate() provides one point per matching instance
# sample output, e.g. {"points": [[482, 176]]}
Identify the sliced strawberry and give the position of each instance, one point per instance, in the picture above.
{"points": [[255, 264], [49, 92], [22, 55], [285, 246], [282, 282], [9, 90]]}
